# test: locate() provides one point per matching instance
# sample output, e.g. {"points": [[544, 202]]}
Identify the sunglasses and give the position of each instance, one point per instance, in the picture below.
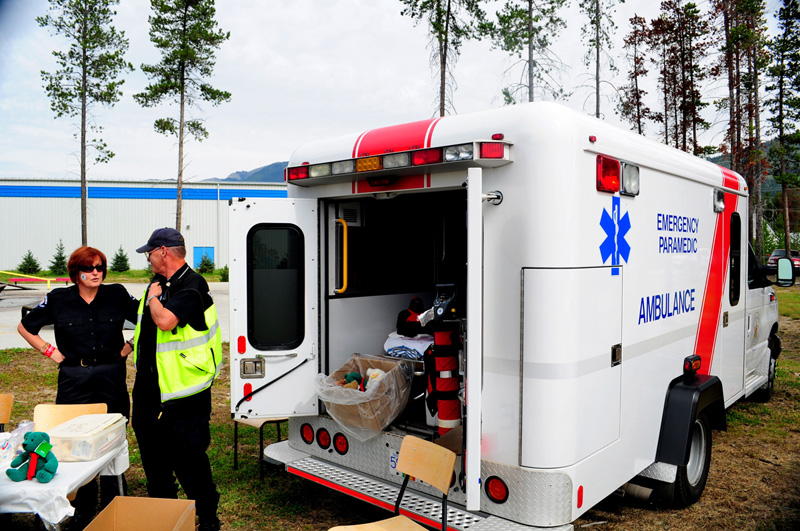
{"points": [[148, 253], [89, 268]]}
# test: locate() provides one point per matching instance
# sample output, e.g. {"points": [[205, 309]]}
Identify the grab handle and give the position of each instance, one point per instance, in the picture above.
{"points": [[344, 257]]}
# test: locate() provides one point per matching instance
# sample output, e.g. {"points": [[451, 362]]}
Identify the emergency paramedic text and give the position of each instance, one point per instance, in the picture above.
{"points": [[660, 307], [680, 224]]}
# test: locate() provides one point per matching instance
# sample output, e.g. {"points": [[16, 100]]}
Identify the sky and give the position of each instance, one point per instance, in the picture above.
{"points": [[298, 70]]}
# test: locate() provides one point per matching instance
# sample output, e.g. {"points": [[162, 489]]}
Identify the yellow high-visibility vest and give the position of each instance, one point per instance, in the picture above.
{"points": [[187, 361]]}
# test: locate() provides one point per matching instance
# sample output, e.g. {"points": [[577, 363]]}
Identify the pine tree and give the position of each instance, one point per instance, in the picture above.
{"points": [[120, 263], [631, 105], [526, 28], [450, 23], [58, 265], [784, 103], [206, 265], [597, 34], [29, 264], [187, 35], [87, 72]]}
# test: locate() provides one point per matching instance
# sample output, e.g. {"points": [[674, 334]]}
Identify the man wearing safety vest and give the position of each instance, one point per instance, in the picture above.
{"points": [[177, 353]]}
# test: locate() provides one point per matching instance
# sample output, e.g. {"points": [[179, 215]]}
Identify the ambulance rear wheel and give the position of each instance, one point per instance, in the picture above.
{"points": [[691, 479]]}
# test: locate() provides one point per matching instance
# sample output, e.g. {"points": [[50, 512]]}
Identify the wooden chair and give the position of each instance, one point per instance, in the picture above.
{"points": [[425, 461], [46, 416], [6, 400], [256, 423]]}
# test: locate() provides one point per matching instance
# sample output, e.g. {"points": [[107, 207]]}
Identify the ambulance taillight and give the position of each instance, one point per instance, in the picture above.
{"points": [[323, 438], [496, 489], [307, 433], [340, 444]]}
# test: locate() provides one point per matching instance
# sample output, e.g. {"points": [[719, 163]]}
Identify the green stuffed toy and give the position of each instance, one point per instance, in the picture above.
{"points": [[42, 463]]}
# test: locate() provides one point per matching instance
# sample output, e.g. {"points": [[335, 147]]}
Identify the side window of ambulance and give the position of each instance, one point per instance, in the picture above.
{"points": [[736, 258], [275, 287]]}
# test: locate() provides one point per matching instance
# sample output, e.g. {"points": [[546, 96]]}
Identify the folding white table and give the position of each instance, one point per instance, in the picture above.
{"points": [[49, 500]]}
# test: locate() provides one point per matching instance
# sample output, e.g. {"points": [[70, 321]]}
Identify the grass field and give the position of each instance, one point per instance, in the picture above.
{"points": [[754, 482]]}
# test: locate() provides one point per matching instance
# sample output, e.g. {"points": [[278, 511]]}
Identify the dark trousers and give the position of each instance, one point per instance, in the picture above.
{"points": [[174, 446]]}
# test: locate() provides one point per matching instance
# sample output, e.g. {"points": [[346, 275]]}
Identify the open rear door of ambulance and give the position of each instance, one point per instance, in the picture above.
{"points": [[273, 307]]}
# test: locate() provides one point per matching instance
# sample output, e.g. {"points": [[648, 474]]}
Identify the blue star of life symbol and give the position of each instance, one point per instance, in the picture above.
{"points": [[615, 246]]}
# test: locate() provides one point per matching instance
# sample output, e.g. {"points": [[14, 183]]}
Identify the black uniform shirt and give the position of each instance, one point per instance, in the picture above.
{"points": [[85, 331], [186, 295]]}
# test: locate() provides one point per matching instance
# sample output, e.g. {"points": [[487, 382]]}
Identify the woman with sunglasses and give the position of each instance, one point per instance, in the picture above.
{"points": [[90, 349]]}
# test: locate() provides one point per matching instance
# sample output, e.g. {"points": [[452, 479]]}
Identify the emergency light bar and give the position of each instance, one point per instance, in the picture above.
{"points": [[489, 154], [615, 176]]}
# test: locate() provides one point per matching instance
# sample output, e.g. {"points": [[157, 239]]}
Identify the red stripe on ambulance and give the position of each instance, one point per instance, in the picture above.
{"points": [[715, 279], [415, 135]]}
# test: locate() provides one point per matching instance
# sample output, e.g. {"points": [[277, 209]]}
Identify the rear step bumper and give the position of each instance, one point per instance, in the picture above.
{"points": [[417, 506]]}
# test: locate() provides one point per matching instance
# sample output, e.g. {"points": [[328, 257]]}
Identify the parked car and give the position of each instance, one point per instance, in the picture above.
{"points": [[772, 261]]}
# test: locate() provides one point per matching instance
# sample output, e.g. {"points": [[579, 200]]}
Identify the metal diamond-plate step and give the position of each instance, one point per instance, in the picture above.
{"points": [[427, 510], [423, 508]]}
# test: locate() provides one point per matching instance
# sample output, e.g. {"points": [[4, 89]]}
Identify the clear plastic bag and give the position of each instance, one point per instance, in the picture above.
{"points": [[364, 414]]}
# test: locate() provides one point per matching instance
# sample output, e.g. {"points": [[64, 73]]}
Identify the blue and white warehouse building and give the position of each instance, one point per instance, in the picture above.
{"points": [[36, 214]]}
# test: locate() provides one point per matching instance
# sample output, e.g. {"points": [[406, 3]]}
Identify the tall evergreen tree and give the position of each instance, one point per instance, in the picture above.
{"points": [[527, 28], [632, 106], [186, 34], [784, 103], [88, 73], [597, 34], [744, 60], [450, 23], [687, 47]]}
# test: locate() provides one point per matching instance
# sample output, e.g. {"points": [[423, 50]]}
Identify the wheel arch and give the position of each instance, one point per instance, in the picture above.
{"points": [[686, 400]]}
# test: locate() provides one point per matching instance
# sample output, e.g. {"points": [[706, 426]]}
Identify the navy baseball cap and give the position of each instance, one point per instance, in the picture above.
{"points": [[167, 237]]}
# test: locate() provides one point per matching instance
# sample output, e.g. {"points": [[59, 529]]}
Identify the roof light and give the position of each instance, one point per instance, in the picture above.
{"points": [[396, 160], [630, 179], [319, 170], [498, 136], [344, 166], [369, 164], [607, 174], [455, 153], [492, 150], [426, 156], [298, 173]]}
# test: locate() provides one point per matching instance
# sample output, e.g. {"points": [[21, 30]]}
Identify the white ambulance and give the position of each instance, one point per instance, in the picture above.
{"points": [[602, 284]]}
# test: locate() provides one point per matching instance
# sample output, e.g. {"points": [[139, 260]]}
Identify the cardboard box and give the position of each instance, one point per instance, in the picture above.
{"points": [[145, 514], [87, 437], [387, 401]]}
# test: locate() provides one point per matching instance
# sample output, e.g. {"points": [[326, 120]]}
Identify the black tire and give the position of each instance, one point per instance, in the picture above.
{"points": [[691, 479], [766, 391]]}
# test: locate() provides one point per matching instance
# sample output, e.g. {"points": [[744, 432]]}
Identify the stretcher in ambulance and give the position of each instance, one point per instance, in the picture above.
{"points": [[596, 308]]}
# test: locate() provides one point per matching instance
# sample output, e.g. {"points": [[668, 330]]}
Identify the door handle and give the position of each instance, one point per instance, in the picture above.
{"points": [[343, 288]]}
